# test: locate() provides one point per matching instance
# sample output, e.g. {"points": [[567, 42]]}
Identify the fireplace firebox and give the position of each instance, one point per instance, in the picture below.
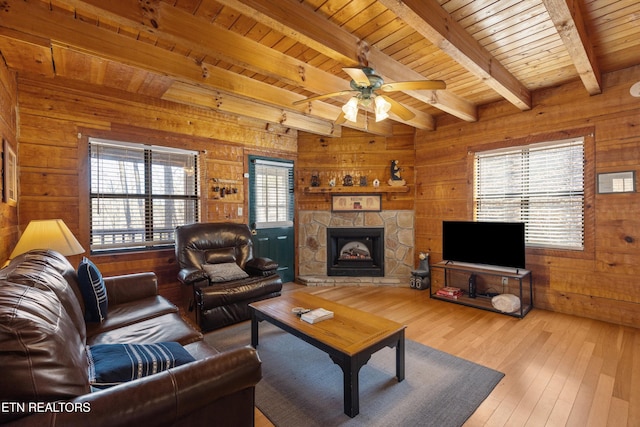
{"points": [[355, 252]]}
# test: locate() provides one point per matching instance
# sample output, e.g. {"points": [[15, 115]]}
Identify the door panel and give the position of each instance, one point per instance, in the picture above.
{"points": [[271, 212], [276, 243]]}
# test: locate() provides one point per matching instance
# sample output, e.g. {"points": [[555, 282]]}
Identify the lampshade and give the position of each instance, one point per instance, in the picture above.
{"points": [[47, 234], [350, 109], [382, 108]]}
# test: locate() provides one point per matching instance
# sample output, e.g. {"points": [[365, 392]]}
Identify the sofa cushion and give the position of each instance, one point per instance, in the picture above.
{"points": [[224, 272], [220, 255], [113, 364], [168, 327], [132, 312], [252, 288], [93, 290]]}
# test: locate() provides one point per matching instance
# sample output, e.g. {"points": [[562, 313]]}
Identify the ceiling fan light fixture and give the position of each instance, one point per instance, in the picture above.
{"points": [[382, 108], [350, 109]]}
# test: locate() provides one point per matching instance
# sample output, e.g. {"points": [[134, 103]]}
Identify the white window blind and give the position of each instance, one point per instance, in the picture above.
{"points": [[139, 194], [541, 185], [272, 189]]}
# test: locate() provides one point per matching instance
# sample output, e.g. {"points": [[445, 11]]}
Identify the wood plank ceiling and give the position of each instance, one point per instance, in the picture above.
{"points": [[255, 58]]}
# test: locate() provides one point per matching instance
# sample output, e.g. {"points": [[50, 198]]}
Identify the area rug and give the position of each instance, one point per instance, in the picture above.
{"points": [[301, 386]]}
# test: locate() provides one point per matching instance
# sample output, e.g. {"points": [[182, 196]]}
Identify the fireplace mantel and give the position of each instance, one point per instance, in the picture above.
{"points": [[389, 190], [358, 190]]}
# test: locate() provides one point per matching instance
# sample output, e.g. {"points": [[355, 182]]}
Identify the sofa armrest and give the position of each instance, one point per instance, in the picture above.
{"points": [[131, 287], [191, 275], [261, 266], [167, 397]]}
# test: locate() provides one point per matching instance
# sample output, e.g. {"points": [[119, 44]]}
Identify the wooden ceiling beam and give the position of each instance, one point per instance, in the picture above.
{"points": [[197, 96], [63, 32], [300, 23], [430, 20], [303, 25], [177, 26], [568, 20], [26, 52]]}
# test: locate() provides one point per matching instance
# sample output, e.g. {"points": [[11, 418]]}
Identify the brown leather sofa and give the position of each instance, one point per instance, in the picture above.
{"points": [[202, 246], [44, 358]]}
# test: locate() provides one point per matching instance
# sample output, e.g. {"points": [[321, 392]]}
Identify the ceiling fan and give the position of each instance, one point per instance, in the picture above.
{"points": [[365, 84]]}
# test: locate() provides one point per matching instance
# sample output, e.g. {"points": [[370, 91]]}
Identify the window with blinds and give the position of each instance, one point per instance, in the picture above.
{"points": [[541, 185], [139, 194], [272, 190]]}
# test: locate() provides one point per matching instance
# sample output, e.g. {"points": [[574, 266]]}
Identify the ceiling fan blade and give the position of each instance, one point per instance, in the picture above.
{"points": [[325, 96], [414, 85], [341, 118], [398, 109], [358, 76]]}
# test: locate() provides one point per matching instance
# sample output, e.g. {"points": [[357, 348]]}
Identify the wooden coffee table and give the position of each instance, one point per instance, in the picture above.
{"points": [[350, 338]]}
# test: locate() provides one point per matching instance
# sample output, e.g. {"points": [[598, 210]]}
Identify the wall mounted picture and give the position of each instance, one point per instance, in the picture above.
{"points": [[617, 182], [356, 203], [9, 175]]}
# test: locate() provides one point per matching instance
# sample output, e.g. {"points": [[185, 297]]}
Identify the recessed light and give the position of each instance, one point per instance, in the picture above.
{"points": [[635, 90]]}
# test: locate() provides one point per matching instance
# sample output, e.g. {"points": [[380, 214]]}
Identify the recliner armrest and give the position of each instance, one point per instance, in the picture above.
{"points": [[191, 275], [261, 266], [131, 287]]}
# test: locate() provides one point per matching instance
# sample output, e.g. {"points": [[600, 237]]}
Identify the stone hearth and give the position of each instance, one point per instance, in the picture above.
{"points": [[398, 246]]}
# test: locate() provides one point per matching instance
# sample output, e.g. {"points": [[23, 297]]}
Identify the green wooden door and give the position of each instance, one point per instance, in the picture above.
{"points": [[271, 212]]}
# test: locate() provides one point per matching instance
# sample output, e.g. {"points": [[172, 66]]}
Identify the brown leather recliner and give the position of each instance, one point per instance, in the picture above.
{"points": [[222, 298]]}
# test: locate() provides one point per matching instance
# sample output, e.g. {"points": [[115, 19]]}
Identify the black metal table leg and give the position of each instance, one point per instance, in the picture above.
{"points": [[254, 329]]}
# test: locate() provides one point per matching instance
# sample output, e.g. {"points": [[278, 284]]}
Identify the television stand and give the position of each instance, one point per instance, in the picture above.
{"points": [[490, 281]]}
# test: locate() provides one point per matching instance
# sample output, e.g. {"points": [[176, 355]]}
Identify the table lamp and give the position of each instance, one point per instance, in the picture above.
{"points": [[47, 234]]}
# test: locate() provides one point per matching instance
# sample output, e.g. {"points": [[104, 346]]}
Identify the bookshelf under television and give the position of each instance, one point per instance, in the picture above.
{"points": [[505, 290]]}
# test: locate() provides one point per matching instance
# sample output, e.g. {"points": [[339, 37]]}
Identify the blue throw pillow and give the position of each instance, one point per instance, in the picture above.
{"points": [[93, 291], [112, 364]]}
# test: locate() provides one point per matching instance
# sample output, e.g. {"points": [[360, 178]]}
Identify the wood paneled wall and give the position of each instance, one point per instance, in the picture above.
{"points": [[8, 120], [355, 153], [602, 281], [57, 116], [56, 119]]}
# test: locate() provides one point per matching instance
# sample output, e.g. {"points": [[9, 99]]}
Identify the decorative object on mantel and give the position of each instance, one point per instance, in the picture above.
{"points": [[341, 189], [376, 183], [315, 179], [396, 180], [332, 182], [356, 203], [347, 181], [363, 181]]}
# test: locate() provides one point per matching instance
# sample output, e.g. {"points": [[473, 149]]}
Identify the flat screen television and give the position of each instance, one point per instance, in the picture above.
{"points": [[492, 243]]}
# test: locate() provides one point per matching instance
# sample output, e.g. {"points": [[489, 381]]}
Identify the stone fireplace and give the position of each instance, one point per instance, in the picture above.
{"points": [[397, 242], [355, 252]]}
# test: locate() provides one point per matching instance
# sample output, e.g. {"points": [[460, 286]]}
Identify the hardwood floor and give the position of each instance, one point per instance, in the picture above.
{"points": [[559, 370]]}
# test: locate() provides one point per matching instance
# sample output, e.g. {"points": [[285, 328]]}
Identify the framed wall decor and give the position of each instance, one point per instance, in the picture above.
{"points": [[356, 203], [9, 175], [617, 182]]}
